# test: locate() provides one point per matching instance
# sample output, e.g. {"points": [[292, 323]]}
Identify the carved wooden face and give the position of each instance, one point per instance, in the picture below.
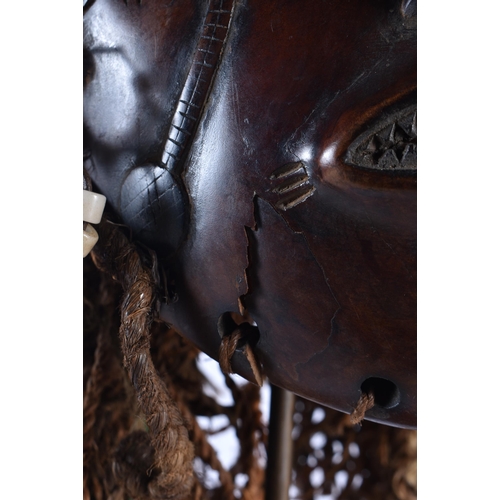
{"points": [[267, 151]]}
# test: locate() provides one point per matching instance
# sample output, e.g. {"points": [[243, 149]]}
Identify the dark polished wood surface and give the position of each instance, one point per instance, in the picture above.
{"points": [[267, 151]]}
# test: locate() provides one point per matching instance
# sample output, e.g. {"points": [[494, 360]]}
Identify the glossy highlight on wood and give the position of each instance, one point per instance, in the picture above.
{"points": [[266, 150]]}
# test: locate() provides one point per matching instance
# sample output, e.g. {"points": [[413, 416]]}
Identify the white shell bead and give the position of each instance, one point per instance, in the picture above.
{"points": [[93, 206], [90, 238]]}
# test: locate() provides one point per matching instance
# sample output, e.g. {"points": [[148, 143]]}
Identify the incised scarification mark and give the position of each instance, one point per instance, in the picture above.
{"points": [[293, 186]]}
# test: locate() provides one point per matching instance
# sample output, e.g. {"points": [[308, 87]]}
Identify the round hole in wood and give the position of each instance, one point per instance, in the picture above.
{"points": [[385, 392], [230, 321]]}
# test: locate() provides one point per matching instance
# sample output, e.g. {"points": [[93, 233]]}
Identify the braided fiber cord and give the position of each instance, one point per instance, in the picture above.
{"points": [[378, 462], [124, 460], [107, 397], [250, 432], [366, 401], [91, 402], [177, 363], [227, 348], [171, 470]]}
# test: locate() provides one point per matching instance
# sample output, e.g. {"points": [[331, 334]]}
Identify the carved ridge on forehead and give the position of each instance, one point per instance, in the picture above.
{"points": [[198, 83]]}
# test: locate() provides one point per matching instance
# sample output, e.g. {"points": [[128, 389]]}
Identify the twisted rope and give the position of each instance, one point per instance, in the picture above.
{"points": [[366, 401], [171, 471]]}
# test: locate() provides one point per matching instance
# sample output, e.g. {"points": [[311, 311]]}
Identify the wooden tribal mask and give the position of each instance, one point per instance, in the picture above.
{"points": [[266, 150]]}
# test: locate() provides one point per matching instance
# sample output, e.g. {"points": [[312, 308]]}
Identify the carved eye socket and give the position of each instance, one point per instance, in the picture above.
{"points": [[389, 145]]}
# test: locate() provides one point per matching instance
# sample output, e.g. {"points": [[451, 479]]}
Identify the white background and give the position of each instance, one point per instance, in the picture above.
{"points": [[41, 283]]}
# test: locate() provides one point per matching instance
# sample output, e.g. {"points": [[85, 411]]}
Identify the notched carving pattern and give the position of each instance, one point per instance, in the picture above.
{"points": [[390, 145], [293, 185], [199, 80], [154, 201]]}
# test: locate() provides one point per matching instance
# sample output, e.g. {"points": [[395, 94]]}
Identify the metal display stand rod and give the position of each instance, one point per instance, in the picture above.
{"points": [[280, 446]]}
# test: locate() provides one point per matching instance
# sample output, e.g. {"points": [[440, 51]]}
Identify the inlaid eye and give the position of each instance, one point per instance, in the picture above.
{"points": [[389, 145]]}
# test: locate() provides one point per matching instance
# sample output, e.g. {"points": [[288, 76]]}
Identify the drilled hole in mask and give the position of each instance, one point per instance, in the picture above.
{"points": [[385, 392], [230, 321]]}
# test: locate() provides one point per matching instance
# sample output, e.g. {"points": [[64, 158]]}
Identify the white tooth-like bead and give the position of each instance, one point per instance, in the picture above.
{"points": [[90, 238], [93, 206]]}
